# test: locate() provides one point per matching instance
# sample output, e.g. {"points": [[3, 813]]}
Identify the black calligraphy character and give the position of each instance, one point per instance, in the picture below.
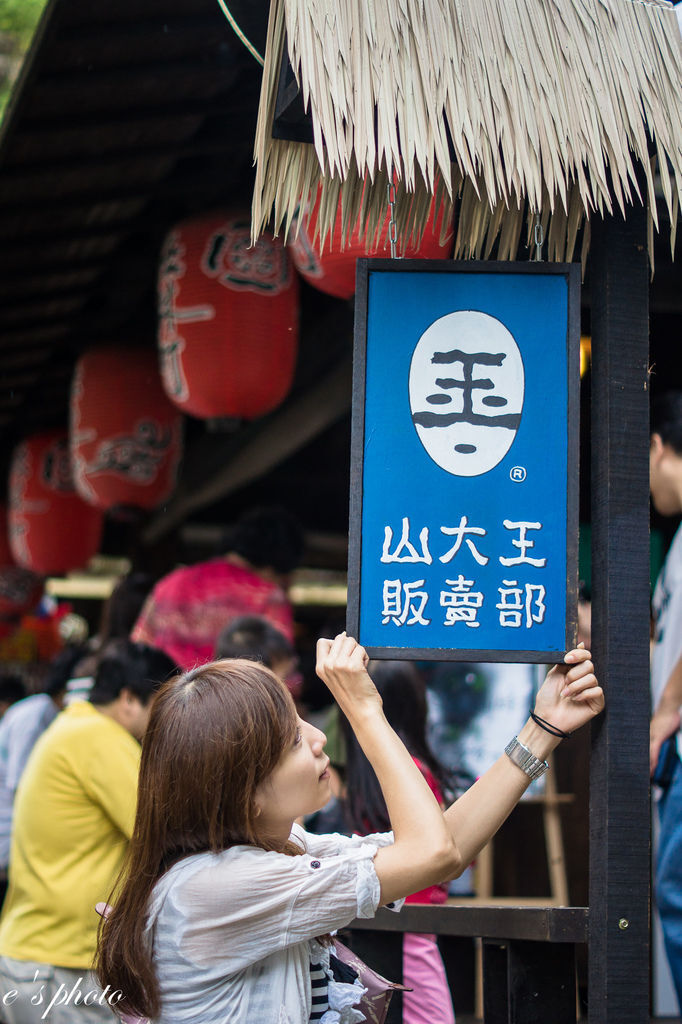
{"points": [[467, 385]]}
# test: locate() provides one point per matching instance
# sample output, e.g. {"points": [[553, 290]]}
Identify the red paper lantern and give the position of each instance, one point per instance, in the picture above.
{"points": [[51, 529], [20, 589], [333, 270], [228, 332], [126, 437]]}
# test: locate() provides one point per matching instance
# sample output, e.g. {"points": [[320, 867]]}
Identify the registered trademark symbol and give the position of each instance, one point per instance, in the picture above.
{"points": [[517, 474]]}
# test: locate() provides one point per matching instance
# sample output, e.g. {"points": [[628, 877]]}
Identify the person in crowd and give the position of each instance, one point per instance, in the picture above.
{"points": [[255, 639], [119, 614], [19, 729], [73, 815], [122, 609], [403, 693], [224, 908], [665, 464], [187, 609], [12, 689]]}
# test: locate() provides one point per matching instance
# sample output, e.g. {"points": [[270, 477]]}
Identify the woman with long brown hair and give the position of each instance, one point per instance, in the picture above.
{"points": [[223, 899]]}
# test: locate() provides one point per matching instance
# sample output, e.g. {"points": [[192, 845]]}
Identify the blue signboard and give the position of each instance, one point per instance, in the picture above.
{"points": [[463, 541]]}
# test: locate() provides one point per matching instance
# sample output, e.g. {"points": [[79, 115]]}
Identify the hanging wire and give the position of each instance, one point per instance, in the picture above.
{"points": [[238, 32]]}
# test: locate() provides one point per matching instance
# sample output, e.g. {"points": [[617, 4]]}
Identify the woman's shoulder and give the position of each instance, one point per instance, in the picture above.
{"points": [[196, 863], [193, 884], [230, 863]]}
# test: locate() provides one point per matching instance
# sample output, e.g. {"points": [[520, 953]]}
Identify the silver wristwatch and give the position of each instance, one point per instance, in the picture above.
{"points": [[527, 762]]}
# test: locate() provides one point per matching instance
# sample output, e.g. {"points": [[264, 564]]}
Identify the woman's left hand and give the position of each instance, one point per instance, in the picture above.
{"points": [[570, 695]]}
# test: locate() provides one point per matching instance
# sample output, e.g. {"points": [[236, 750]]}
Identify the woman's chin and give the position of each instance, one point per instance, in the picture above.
{"points": [[327, 794]]}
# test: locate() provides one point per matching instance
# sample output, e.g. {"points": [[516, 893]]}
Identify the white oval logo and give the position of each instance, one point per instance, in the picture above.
{"points": [[466, 391]]}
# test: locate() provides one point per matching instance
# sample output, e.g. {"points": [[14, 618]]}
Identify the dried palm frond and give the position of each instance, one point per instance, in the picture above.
{"points": [[508, 110]]}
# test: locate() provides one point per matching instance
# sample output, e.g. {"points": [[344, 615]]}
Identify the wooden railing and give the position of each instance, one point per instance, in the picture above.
{"points": [[528, 953]]}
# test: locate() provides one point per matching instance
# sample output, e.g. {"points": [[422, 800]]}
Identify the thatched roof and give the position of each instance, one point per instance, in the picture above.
{"points": [[506, 109]]}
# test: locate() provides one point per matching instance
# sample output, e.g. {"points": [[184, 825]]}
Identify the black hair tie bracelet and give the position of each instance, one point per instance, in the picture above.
{"points": [[548, 727]]}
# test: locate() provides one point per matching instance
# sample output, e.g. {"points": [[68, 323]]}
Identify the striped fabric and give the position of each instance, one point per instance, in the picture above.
{"points": [[318, 984]]}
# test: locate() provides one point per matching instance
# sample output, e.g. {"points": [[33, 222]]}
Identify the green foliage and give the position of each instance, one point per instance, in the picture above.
{"points": [[19, 18]]}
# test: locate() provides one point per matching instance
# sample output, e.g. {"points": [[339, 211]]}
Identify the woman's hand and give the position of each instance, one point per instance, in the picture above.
{"points": [[342, 666], [570, 695]]}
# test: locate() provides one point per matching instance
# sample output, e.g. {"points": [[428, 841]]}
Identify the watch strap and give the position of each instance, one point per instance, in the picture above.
{"points": [[525, 760]]}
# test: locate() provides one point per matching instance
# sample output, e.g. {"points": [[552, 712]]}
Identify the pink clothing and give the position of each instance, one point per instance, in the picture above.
{"points": [[434, 893], [424, 972], [186, 611], [430, 1001]]}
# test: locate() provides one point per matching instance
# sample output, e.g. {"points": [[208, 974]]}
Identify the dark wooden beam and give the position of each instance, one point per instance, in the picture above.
{"points": [[14, 259], [178, 184], [268, 443], [528, 982], [35, 284], [471, 917], [17, 236], [23, 358], [125, 156], [11, 399], [139, 113], [18, 378], [26, 338], [110, 13], [113, 89], [38, 312], [35, 326], [619, 790], [191, 70], [96, 41], [43, 295]]}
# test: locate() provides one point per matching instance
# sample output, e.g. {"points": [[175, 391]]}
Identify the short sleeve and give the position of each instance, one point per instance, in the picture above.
{"points": [[335, 843], [111, 782], [249, 900]]}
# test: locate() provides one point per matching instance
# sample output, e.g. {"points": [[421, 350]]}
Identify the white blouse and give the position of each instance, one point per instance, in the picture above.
{"points": [[233, 933]]}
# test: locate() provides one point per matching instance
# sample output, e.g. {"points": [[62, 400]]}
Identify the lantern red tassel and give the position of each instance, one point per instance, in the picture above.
{"points": [[228, 332], [126, 437], [51, 529], [333, 270]]}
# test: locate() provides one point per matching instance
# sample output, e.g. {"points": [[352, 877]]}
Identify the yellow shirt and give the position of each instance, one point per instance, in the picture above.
{"points": [[73, 815]]}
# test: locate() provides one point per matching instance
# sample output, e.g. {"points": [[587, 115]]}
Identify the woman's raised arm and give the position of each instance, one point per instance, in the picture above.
{"points": [[424, 851], [569, 697]]}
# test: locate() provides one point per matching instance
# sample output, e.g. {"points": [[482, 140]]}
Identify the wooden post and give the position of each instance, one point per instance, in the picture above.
{"points": [[528, 983], [619, 801]]}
